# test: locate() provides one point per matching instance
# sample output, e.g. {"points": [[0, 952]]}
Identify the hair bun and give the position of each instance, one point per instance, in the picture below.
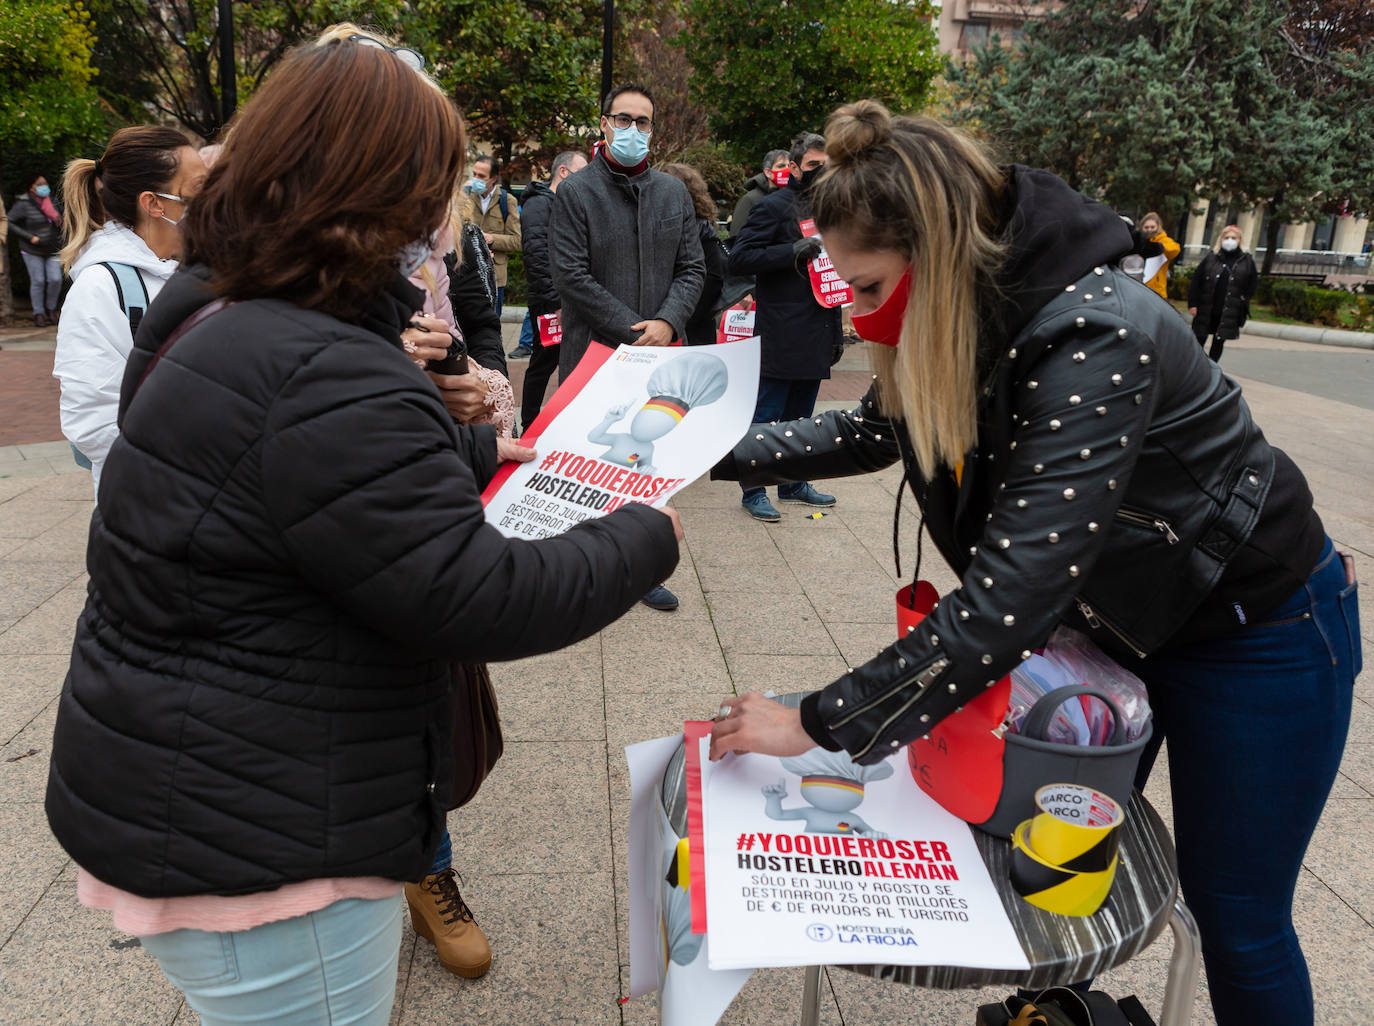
{"points": [[855, 128]]}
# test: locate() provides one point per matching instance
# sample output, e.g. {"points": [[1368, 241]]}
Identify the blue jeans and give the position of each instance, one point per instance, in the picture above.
{"points": [[526, 333], [45, 281], [337, 966], [783, 399], [443, 858], [1256, 723]]}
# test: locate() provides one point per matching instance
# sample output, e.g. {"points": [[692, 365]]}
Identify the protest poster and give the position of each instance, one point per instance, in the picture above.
{"points": [[550, 328], [736, 323], [633, 424], [827, 286], [815, 860], [666, 955]]}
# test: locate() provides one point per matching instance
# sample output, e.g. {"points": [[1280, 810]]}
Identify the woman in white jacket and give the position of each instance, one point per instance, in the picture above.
{"points": [[122, 246]]}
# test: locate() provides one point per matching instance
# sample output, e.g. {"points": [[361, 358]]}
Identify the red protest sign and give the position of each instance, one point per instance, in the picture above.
{"points": [[550, 328], [735, 324], [827, 286]]}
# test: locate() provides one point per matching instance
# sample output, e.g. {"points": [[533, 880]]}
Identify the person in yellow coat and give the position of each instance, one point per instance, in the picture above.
{"points": [[1152, 227]]}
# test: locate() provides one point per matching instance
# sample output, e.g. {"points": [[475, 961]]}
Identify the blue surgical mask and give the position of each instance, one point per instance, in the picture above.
{"points": [[628, 146], [42, 192], [476, 186]]}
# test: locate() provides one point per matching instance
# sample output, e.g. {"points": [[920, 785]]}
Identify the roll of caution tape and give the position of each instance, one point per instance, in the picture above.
{"points": [[1054, 888], [1076, 827]]}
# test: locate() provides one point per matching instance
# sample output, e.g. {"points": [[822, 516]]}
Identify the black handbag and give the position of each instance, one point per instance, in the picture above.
{"points": [[477, 742], [1065, 1006]]}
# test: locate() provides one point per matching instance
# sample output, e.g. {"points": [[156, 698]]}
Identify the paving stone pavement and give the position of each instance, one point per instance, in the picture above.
{"points": [[543, 848]]}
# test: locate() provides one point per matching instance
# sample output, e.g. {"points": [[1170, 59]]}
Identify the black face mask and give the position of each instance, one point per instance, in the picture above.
{"points": [[808, 178]]}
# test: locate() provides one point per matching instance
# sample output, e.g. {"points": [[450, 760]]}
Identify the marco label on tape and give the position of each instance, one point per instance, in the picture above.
{"points": [[1064, 859]]}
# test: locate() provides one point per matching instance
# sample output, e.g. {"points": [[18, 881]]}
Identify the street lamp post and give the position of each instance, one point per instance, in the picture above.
{"points": [[607, 36], [228, 79]]}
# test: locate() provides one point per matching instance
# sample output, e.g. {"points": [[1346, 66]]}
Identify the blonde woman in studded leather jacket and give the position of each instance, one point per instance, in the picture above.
{"points": [[1077, 460]]}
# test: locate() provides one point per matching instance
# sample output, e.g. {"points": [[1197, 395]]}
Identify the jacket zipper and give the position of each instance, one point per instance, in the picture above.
{"points": [[1095, 621], [923, 682], [1132, 516], [922, 678]]}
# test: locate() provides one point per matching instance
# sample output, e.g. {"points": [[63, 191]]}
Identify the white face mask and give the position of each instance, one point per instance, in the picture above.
{"points": [[169, 196], [1230, 245]]}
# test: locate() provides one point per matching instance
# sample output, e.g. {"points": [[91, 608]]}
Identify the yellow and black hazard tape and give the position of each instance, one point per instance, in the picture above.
{"points": [[1064, 859]]}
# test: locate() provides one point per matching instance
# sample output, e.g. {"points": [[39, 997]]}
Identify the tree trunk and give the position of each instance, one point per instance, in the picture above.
{"points": [[1271, 242], [6, 296]]}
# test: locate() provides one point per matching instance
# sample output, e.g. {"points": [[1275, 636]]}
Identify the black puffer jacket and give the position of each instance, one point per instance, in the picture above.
{"points": [[1230, 276], [536, 207], [28, 220], [289, 549], [472, 294], [797, 334], [1117, 471]]}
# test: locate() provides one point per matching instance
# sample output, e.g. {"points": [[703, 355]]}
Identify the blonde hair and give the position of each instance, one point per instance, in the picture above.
{"points": [[929, 192], [1240, 237], [1153, 216]]}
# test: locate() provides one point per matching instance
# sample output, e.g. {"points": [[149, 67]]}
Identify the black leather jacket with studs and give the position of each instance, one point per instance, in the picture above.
{"points": [[1117, 471]]}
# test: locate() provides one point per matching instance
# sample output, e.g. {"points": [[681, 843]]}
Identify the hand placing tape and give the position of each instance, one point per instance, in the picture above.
{"points": [[1064, 859]]}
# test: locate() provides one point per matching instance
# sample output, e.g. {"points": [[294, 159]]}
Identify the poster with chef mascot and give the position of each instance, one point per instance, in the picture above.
{"points": [[633, 424]]}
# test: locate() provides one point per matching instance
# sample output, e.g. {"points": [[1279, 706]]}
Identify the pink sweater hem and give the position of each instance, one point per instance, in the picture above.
{"points": [[214, 913]]}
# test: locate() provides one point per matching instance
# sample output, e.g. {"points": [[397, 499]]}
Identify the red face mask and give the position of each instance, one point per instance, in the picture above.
{"points": [[884, 325], [780, 176]]}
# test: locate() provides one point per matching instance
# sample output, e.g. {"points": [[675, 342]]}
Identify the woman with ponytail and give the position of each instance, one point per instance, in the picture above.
{"points": [[123, 244], [1078, 460]]}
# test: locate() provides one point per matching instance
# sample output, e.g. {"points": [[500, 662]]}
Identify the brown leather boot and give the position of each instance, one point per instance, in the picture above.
{"points": [[440, 915]]}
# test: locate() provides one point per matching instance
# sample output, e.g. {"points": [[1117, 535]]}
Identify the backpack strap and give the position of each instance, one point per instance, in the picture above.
{"points": [[501, 200], [133, 294]]}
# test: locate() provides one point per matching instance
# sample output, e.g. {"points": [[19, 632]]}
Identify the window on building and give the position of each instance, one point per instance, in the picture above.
{"points": [[974, 35]]}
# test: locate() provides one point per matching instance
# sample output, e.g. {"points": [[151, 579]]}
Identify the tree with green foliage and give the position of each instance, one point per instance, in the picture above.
{"points": [[1110, 97], [525, 73], [48, 105], [49, 109], [767, 71], [162, 59], [1145, 106]]}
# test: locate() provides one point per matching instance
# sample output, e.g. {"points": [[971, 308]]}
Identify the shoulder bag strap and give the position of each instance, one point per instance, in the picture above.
{"points": [[199, 317]]}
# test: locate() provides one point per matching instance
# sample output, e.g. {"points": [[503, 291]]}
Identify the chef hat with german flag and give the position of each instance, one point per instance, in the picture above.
{"points": [[819, 768]]}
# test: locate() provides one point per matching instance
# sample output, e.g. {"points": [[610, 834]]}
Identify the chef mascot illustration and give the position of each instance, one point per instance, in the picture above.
{"points": [[832, 785], [681, 384]]}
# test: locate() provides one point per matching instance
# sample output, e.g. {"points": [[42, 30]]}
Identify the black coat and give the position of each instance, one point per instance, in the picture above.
{"points": [[701, 326], [536, 207], [474, 308], [1116, 477], [289, 550], [1224, 319], [798, 334], [27, 220]]}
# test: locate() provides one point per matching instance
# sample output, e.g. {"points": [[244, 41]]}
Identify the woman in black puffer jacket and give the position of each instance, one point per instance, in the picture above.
{"points": [[1219, 294], [252, 747]]}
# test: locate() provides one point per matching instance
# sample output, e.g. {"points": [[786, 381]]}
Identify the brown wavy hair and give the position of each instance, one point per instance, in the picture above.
{"points": [[344, 157], [696, 188]]}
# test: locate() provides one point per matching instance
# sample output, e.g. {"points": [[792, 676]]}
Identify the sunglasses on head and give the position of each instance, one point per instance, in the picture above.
{"points": [[412, 58]]}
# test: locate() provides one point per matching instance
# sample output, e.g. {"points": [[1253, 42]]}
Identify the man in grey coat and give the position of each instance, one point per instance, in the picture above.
{"points": [[623, 242], [624, 248]]}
